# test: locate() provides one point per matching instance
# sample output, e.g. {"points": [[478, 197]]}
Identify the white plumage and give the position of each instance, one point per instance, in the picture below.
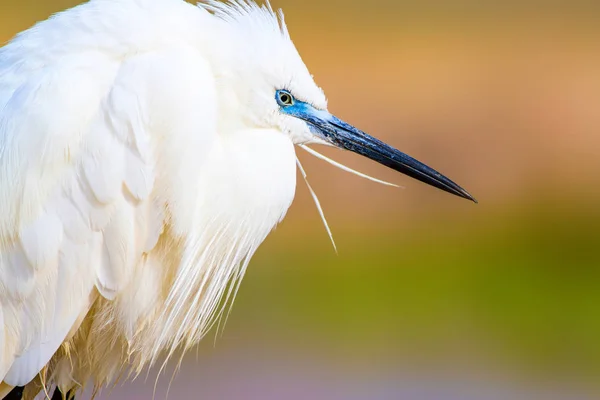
{"points": [[143, 159], [121, 185]]}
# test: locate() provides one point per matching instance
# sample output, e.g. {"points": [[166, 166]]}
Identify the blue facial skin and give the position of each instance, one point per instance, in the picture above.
{"points": [[345, 136]]}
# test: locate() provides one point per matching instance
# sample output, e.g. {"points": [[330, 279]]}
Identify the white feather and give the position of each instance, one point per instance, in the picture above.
{"points": [[317, 204], [133, 191], [343, 167]]}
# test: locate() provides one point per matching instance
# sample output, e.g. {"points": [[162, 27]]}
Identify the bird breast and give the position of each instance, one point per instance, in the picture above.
{"points": [[181, 287], [245, 188], [250, 176]]}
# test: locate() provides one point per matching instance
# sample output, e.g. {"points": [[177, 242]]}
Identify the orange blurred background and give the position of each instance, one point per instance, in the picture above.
{"points": [[430, 297]]}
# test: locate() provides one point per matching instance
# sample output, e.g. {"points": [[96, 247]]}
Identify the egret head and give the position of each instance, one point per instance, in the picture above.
{"points": [[272, 88]]}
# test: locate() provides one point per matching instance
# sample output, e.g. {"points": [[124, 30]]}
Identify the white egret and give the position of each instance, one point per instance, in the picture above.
{"points": [[146, 151]]}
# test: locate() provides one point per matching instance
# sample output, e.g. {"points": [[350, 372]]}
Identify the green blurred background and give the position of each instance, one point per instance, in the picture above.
{"points": [[430, 297]]}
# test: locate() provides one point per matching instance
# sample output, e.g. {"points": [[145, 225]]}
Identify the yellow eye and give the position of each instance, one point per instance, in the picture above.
{"points": [[285, 98]]}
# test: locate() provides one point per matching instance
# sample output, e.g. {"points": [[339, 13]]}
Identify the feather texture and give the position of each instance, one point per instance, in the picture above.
{"points": [[130, 201]]}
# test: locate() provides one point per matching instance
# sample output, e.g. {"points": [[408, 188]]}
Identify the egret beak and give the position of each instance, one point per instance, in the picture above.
{"points": [[345, 136]]}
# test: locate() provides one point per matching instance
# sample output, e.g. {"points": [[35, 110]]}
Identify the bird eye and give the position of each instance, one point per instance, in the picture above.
{"points": [[284, 98]]}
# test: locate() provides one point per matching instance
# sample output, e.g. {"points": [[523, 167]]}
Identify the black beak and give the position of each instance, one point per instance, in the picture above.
{"points": [[345, 136]]}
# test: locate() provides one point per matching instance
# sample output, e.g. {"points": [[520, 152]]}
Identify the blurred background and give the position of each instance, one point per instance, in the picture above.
{"points": [[430, 296]]}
